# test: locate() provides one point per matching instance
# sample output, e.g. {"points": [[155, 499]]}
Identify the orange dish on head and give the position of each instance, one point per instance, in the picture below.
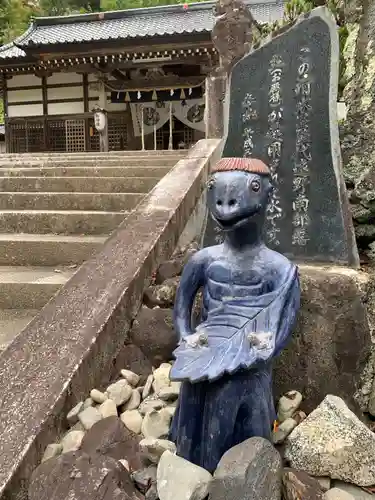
{"points": [[251, 165]]}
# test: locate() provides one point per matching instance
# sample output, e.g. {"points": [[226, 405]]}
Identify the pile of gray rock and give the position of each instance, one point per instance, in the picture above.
{"points": [[115, 438], [145, 410], [328, 455], [117, 447]]}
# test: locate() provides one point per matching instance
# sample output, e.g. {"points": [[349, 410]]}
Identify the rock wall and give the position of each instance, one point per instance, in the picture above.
{"points": [[358, 132], [331, 348]]}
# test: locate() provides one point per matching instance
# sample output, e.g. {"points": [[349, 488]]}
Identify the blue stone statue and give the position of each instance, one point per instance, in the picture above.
{"points": [[251, 296]]}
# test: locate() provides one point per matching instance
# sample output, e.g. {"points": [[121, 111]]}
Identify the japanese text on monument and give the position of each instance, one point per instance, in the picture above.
{"points": [[301, 219], [249, 114], [274, 149]]}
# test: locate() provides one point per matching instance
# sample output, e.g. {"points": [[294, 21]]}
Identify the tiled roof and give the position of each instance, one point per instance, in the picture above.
{"points": [[11, 51], [130, 24]]}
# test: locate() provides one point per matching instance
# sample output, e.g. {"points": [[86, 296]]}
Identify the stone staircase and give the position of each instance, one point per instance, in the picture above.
{"points": [[55, 211]]}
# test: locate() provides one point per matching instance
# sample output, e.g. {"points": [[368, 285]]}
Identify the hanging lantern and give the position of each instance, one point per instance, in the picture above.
{"points": [[190, 91], [182, 95], [100, 120], [139, 94], [154, 96], [172, 92]]}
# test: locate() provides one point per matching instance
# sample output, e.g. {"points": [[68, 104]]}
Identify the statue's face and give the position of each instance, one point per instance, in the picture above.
{"points": [[235, 197]]}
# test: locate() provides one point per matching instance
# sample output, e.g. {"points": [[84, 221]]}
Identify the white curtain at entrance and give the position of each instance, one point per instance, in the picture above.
{"points": [[191, 113], [156, 114]]}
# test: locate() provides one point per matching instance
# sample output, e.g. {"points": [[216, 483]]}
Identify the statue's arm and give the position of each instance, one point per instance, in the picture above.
{"points": [[191, 280], [288, 313]]}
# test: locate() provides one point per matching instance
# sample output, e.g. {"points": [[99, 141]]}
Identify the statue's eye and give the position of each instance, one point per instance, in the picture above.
{"points": [[255, 186]]}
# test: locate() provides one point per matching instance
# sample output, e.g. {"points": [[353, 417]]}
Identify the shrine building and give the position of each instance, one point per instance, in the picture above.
{"points": [[145, 67]]}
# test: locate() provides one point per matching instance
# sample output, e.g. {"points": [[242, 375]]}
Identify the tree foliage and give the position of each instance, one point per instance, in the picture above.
{"points": [[14, 18], [294, 8]]}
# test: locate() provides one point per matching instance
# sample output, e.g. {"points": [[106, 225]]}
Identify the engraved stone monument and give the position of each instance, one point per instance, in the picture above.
{"points": [[281, 108]]}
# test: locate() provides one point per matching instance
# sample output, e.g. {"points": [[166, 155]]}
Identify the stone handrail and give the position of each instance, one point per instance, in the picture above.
{"points": [[69, 346]]}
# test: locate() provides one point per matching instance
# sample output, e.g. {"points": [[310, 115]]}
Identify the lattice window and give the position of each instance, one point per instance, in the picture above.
{"points": [[160, 138], [94, 141], [17, 137], [188, 136], [117, 133], [56, 135], [35, 136], [75, 135]]}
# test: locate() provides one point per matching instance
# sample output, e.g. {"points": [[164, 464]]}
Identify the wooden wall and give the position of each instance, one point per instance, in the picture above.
{"points": [[59, 94]]}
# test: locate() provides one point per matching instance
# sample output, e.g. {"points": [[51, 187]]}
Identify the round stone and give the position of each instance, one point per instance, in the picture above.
{"points": [[108, 409], [120, 392], [132, 420], [134, 401], [131, 377], [89, 417], [98, 396], [72, 441], [156, 423]]}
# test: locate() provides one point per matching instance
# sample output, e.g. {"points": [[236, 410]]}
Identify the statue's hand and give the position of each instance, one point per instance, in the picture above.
{"points": [[261, 341], [195, 340]]}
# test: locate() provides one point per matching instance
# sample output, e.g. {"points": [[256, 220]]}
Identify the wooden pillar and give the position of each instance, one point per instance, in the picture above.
{"points": [[142, 128], [85, 83], [45, 112], [214, 106], [170, 142], [5, 107]]}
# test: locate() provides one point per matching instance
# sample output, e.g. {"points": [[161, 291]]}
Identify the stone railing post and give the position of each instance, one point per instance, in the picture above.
{"points": [[214, 105]]}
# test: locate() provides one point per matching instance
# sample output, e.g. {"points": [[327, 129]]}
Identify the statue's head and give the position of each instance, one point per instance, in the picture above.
{"points": [[238, 192]]}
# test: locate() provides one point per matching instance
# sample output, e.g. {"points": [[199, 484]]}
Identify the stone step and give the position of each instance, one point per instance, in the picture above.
{"points": [[91, 162], [30, 287], [56, 211], [59, 222], [78, 184], [154, 172], [111, 202], [12, 321], [138, 153], [47, 249]]}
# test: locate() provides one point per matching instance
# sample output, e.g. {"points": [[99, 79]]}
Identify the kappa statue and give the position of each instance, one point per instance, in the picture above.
{"points": [[251, 296]]}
